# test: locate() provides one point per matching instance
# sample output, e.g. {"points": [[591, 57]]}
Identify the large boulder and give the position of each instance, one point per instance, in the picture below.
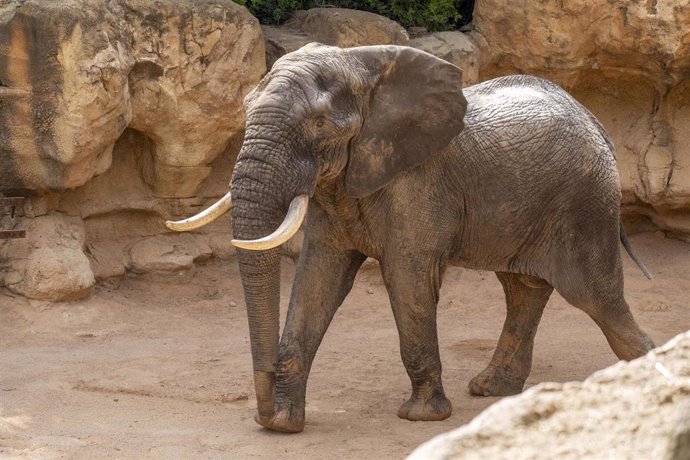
{"points": [[638, 409], [75, 73], [628, 62], [281, 41], [63, 92], [194, 63], [346, 28], [50, 264], [332, 26]]}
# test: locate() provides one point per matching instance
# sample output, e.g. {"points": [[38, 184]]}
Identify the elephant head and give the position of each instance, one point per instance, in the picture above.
{"points": [[361, 116]]}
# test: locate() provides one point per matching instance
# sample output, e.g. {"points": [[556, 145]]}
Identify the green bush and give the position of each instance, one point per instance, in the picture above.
{"points": [[435, 15]]}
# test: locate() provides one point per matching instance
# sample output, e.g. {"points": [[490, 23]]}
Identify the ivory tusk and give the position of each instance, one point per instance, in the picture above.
{"points": [[292, 222], [206, 216]]}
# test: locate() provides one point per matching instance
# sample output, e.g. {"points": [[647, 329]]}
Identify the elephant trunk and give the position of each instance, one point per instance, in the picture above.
{"points": [[261, 281], [262, 189], [254, 217]]}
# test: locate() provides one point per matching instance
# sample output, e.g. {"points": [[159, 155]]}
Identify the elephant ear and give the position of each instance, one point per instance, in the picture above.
{"points": [[415, 108]]}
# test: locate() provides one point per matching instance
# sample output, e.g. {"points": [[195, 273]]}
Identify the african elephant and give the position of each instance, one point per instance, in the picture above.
{"points": [[372, 140]]}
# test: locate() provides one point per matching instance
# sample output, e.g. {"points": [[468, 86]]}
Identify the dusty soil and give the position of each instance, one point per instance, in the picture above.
{"points": [[159, 366]]}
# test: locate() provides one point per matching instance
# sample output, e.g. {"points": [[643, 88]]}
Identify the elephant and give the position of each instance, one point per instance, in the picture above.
{"points": [[389, 158]]}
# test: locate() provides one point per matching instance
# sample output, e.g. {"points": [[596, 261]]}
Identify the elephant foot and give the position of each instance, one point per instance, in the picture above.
{"points": [[438, 407], [494, 381], [282, 421]]}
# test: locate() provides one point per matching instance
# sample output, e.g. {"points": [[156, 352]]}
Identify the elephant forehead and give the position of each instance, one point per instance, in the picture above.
{"points": [[282, 95], [280, 87], [294, 91], [308, 81], [323, 65]]}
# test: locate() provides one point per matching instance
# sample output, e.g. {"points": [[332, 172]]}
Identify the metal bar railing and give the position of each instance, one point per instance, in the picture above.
{"points": [[11, 202]]}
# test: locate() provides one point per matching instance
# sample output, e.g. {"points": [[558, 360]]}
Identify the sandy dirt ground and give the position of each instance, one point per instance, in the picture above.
{"points": [[159, 366]]}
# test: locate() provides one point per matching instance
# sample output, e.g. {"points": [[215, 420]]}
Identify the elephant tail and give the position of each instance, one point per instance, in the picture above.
{"points": [[631, 253]]}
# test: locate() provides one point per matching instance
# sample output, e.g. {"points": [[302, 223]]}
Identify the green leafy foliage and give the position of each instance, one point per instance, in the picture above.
{"points": [[435, 15]]}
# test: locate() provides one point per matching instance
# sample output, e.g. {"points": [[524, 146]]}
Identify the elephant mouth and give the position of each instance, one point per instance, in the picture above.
{"points": [[292, 222]]}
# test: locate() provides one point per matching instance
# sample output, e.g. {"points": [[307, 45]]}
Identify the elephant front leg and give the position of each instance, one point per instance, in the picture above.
{"points": [[510, 365], [413, 292], [324, 277]]}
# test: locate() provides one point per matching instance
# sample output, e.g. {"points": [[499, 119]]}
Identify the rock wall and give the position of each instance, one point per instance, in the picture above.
{"points": [[76, 73], [637, 409], [112, 114]]}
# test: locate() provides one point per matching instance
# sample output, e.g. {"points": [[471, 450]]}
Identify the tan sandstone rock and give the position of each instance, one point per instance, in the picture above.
{"points": [[75, 73], [63, 93], [195, 62], [628, 61], [631, 410], [167, 253], [332, 26], [119, 208], [50, 263], [118, 111]]}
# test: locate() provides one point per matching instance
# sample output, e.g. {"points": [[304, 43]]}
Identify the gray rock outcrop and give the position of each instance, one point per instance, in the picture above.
{"points": [[455, 47]]}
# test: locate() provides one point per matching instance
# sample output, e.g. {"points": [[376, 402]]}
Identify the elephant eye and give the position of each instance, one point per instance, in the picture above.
{"points": [[320, 122]]}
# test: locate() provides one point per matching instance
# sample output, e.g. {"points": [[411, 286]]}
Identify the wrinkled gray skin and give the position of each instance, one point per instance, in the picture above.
{"points": [[527, 188]]}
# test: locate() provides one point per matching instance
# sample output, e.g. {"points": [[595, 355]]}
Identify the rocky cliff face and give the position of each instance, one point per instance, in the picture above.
{"points": [[112, 112], [76, 73]]}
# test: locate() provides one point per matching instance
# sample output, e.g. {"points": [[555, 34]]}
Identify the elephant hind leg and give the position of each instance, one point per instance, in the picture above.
{"points": [[601, 297], [623, 334], [613, 316], [526, 297]]}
